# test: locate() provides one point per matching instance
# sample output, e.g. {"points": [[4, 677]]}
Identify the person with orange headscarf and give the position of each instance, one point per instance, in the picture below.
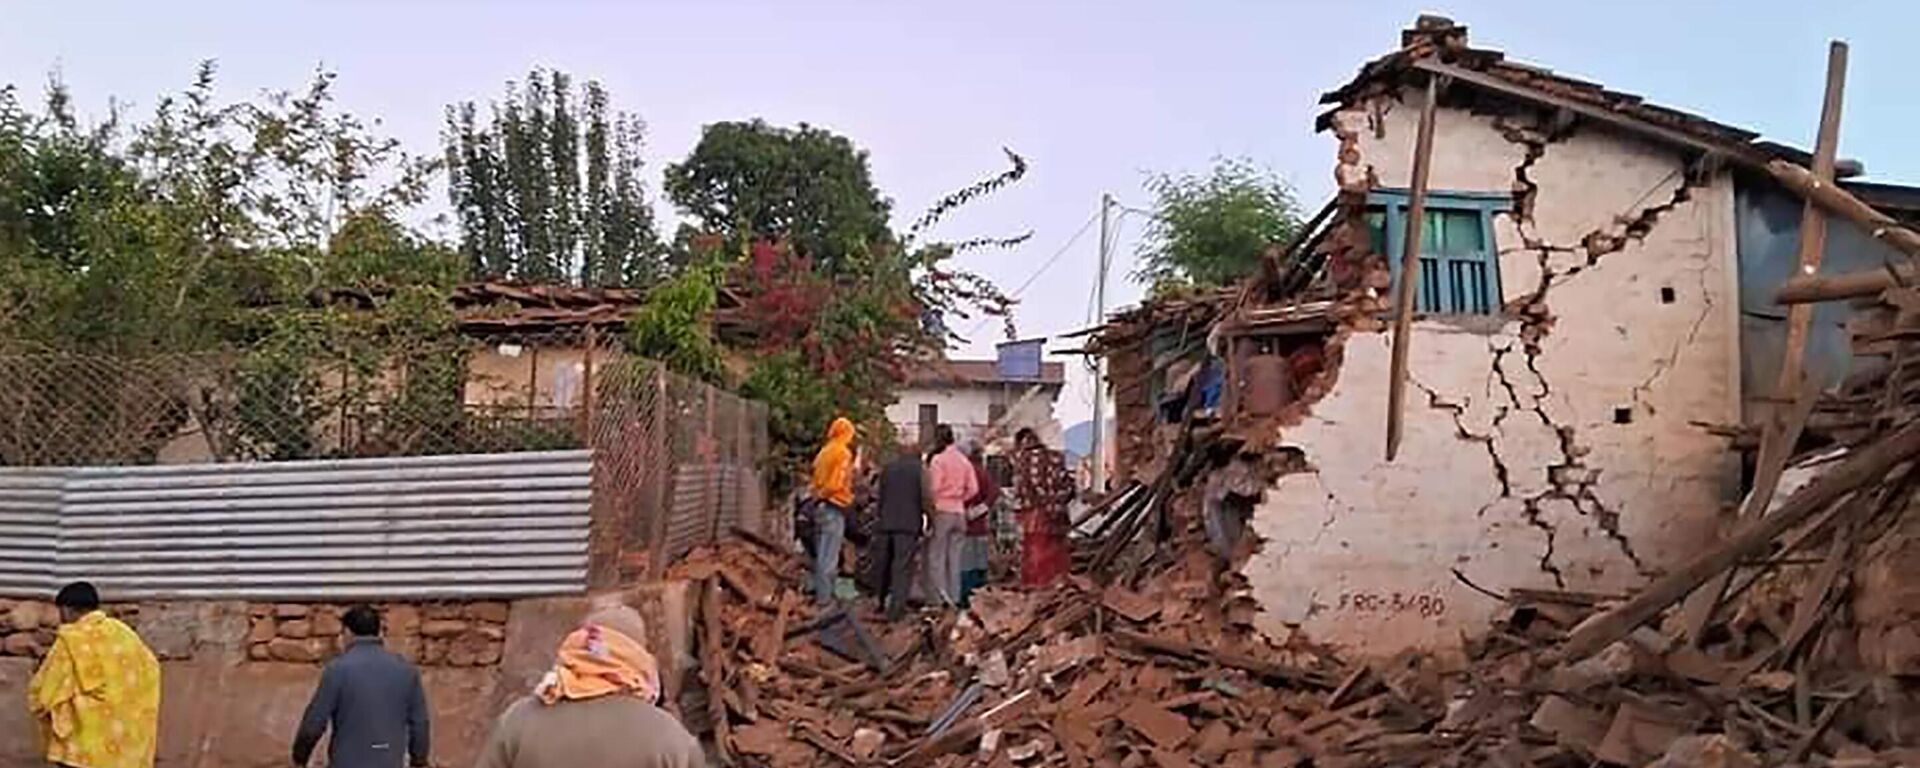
{"points": [[833, 498], [597, 707]]}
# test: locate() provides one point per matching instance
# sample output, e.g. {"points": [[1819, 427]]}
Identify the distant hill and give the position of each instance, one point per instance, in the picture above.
{"points": [[1078, 439]]}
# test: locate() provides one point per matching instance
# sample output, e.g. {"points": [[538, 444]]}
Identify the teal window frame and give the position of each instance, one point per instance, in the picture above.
{"points": [[1462, 283]]}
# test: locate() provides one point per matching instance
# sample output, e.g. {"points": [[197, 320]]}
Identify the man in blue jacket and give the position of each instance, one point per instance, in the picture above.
{"points": [[372, 699]]}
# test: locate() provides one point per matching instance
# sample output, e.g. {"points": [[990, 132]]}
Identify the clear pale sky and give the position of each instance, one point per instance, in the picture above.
{"points": [[1093, 94]]}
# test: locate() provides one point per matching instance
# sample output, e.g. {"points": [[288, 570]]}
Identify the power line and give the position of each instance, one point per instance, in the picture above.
{"points": [[1044, 266]]}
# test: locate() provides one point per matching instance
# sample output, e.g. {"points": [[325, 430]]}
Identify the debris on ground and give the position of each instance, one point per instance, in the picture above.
{"points": [[1792, 642]]}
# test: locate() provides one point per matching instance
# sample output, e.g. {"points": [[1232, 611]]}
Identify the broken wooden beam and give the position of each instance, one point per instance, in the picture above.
{"points": [[959, 736], [1839, 202], [1776, 446], [1852, 473], [1410, 268], [1803, 289], [711, 671], [1813, 220], [1240, 661]]}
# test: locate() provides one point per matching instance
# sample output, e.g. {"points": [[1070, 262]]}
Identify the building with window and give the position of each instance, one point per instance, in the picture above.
{"points": [[980, 399], [1593, 316]]}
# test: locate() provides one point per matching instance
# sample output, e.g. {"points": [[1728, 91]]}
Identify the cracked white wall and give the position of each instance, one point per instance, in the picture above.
{"points": [[1514, 470]]}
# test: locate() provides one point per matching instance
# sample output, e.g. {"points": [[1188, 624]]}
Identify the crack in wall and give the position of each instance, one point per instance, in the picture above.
{"points": [[1672, 359], [1501, 473], [1570, 478]]}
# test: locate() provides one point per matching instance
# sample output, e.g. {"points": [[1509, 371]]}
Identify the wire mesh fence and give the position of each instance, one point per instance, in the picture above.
{"points": [[443, 396], [677, 462], [696, 455]]}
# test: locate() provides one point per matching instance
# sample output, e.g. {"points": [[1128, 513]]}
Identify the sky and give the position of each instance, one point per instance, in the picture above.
{"points": [[1094, 95]]}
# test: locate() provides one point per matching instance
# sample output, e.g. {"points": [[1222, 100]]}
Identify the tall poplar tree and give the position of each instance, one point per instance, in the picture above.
{"points": [[549, 189]]}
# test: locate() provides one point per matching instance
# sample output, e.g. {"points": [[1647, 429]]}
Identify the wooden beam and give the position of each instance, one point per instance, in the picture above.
{"points": [[1803, 289], [1738, 153], [1842, 203], [1410, 268], [1813, 221], [1859, 469], [1776, 446]]}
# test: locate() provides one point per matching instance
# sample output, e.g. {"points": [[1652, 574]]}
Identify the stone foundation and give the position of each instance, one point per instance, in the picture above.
{"points": [[430, 635]]}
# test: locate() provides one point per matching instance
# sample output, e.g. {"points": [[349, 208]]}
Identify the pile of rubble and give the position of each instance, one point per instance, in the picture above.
{"points": [[1160, 666], [1791, 642]]}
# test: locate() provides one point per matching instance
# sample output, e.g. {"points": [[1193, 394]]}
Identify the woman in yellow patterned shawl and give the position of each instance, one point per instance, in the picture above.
{"points": [[96, 697]]}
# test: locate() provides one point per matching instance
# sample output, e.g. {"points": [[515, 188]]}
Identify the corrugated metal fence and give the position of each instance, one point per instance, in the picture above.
{"points": [[502, 525], [29, 529]]}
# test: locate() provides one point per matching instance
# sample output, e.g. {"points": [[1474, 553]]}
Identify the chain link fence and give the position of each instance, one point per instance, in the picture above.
{"points": [[695, 454], [678, 462]]}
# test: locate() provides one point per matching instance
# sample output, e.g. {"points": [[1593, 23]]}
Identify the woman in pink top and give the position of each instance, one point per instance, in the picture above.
{"points": [[954, 483]]}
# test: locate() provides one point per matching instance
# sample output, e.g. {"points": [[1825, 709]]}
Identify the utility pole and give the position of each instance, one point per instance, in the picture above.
{"points": [[1100, 363]]}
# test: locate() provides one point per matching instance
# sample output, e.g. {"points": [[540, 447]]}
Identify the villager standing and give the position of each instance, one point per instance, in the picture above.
{"points": [[978, 549], [597, 707], [371, 699], [833, 469], [954, 483], [905, 502], [96, 696], [1044, 486]]}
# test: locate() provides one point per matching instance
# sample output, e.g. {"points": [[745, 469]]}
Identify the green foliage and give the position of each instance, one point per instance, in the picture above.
{"points": [[674, 326], [1213, 229], [749, 181], [394, 378], [164, 235], [549, 190]]}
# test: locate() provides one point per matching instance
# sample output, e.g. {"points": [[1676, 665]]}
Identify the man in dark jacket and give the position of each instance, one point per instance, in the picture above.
{"points": [[906, 498], [372, 699]]}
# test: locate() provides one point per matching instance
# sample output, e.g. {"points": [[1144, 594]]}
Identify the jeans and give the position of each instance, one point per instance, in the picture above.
{"points": [[945, 548], [830, 533]]}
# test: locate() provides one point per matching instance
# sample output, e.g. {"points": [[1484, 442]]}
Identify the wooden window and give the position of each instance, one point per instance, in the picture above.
{"points": [[1459, 264]]}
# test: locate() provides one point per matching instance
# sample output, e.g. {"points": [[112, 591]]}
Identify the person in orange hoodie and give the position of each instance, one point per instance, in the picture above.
{"points": [[833, 499]]}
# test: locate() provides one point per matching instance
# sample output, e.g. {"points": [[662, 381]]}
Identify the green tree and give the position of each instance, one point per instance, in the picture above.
{"points": [[1212, 229], [163, 235], [804, 185], [549, 188]]}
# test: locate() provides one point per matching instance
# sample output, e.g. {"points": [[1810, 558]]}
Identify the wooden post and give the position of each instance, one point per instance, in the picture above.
{"points": [[660, 469], [1410, 267], [586, 387], [533, 381], [1813, 220]]}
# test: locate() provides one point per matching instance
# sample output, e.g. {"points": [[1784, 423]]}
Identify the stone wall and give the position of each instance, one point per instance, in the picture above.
{"points": [[430, 635], [226, 703], [1555, 445], [27, 627]]}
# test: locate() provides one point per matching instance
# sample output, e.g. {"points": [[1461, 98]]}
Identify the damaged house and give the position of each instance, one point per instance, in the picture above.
{"points": [[1594, 319]]}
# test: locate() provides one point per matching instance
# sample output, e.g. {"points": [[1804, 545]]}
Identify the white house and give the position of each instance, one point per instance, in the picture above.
{"points": [[979, 400]]}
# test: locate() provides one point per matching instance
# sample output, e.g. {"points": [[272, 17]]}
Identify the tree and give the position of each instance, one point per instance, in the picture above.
{"points": [[161, 235], [549, 190], [816, 342], [805, 186], [1213, 229]]}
